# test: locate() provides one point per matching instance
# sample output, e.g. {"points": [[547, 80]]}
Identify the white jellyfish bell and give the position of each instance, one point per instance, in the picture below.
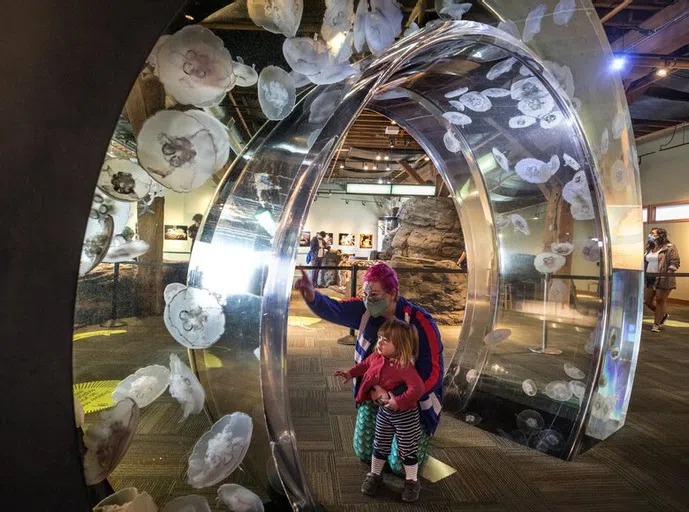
{"points": [[276, 93], [471, 418], [501, 159], [334, 73], [194, 317], [564, 11], [121, 250], [549, 440], [220, 450], [558, 390], [501, 68], [570, 162], [558, 291], [277, 16], [537, 171], [448, 9], [191, 503], [619, 175], [471, 376], [551, 120], [604, 142], [562, 248], [590, 250], [338, 18], [529, 87], [246, 76], [323, 106], [496, 336], [451, 142], [127, 500], [520, 224], [456, 92], [195, 67], [360, 25], [185, 387], [239, 499], [536, 107], [143, 386], [108, 440], [124, 180], [305, 55], [457, 118], [510, 27], [299, 80], [103, 207], [383, 24], [97, 240], [582, 210], [496, 92], [578, 389], [530, 421], [529, 387], [476, 101], [619, 125], [502, 221], [181, 150], [521, 122], [549, 262], [573, 371], [564, 77], [458, 105], [577, 189], [532, 25], [411, 29], [602, 407]]}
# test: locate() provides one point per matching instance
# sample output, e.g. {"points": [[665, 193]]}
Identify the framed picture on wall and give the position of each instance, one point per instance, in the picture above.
{"points": [[365, 241], [305, 239], [175, 232], [347, 239]]}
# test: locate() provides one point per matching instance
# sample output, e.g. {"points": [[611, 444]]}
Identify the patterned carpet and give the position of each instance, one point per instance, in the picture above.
{"points": [[645, 466]]}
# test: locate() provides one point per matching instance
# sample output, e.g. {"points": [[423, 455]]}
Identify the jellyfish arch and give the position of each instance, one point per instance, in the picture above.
{"points": [[524, 124]]}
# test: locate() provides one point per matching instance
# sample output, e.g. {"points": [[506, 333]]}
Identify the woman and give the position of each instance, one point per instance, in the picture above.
{"points": [[661, 257], [382, 301]]}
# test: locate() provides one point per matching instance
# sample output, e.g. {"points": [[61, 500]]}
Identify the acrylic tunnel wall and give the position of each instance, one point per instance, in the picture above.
{"points": [[540, 161]]}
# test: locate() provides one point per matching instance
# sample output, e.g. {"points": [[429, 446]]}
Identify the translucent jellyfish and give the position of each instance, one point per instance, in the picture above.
{"points": [[340, 48], [501, 159], [457, 118], [577, 189], [391, 11], [124, 180], [471, 418], [246, 76], [195, 67], [564, 77], [537, 171], [602, 407], [334, 74], [194, 318], [96, 243], [102, 208], [573, 371], [532, 25], [551, 120], [239, 499], [129, 500], [299, 80], [323, 106], [191, 503], [181, 150], [501, 68], [590, 346], [526, 88], [476, 101], [549, 440], [380, 32], [521, 121], [451, 142], [185, 387], [360, 25], [510, 27], [558, 291], [619, 175], [108, 440], [257, 353], [471, 376], [604, 142], [549, 262], [496, 336], [276, 93], [578, 389], [591, 250], [495, 92], [564, 11], [571, 162], [524, 71], [121, 250], [220, 450], [582, 210], [411, 29], [558, 390], [619, 125], [563, 248], [305, 55], [451, 10], [529, 387], [520, 224], [457, 105], [530, 421], [143, 386], [338, 18], [172, 289], [456, 92], [502, 221], [276, 16], [536, 107]]}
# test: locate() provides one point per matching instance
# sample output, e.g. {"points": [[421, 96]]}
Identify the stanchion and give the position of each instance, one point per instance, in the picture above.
{"points": [[350, 339], [543, 349], [113, 322]]}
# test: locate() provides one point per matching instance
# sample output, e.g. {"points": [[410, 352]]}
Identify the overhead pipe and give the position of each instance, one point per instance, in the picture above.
{"points": [[617, 9]]}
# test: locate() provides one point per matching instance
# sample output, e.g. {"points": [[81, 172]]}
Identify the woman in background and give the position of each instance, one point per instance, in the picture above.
{"points": [[661, 257]]}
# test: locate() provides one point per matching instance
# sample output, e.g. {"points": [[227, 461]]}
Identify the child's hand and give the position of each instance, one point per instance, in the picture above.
{"points": [[390, 403], [345, 375]]}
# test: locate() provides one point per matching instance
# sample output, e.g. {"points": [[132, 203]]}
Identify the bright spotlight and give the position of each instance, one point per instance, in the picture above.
{"points": [[662, 72], [618, 63]]}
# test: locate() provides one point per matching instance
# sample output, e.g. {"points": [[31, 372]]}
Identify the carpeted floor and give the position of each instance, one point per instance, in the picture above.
{"points": [[645, 466]]}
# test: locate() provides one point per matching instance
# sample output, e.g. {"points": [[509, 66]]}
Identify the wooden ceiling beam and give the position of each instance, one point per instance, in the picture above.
{"points": [[412, 172]]}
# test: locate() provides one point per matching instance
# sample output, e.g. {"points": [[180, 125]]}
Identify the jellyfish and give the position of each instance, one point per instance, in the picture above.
{"points": [[457, 105], [570, 162], [299, 80], [471, 418], [246, 76], [496, 336], [338, 18], [323, 106], [590, 346], [536, 107], [191, 503], [360, 25], [456, 92], [604, 142], [558, 390], [121, 250], [501, 68], [582, 210], [549, 262], [476, 101], [277, 16], [529, 387], [564, 77], [549, 440], [219, 451], [573, 371], [602, 407], [619, 124], [340, 48], [537, 171], [471, 376], [502, 221], [530, 421], [578, 388], [619, 175], [526, 88], [334, 73], [143, 386], [510, 27], [185, 387], [457, 118], [411, 29], [558, 291], [96, 243], [495, 92], [239, 499], [194, 318], [128, 499], [501, 159], [181, 150], [305, 55], [103, 207], [451, 142], [276, 93], [195, 67], [451, 10], [532, 25], [521, 122], [562, 248], [591, 250], [551, 120], [108, 440], [564, 11], [577, 189], [380, 34], [124, 180], [391, 11]]}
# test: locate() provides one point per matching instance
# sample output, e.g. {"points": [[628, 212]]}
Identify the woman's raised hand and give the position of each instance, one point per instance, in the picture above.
{"points": [[345, 375], [305, 287]]}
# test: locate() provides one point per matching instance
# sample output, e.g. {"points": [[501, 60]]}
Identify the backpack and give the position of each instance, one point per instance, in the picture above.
{"points": [[308, 257]]}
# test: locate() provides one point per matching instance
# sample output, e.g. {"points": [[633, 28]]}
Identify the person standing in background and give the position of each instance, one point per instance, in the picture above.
{"points": [[318, 247], [661, 257], [193, 230]]}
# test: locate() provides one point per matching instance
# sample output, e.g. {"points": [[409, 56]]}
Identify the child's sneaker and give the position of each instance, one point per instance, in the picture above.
{"points": [[411, 491], [655, 328], [371, 484]]}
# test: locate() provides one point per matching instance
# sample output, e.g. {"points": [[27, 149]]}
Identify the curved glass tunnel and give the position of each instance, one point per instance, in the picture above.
{"points": [[539, 207]]}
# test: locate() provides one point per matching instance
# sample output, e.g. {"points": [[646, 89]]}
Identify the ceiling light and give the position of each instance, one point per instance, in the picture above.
{"points": [[380, 180], [388, 168], [341, 166], [426, 158], [386, 157], [365, 167], [189, 17], [662, 72], [618, 63], [393, 122], [378, 157]]}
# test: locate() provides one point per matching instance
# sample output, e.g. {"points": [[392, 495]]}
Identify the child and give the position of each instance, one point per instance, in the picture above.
{"points": [[390, 366]]}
